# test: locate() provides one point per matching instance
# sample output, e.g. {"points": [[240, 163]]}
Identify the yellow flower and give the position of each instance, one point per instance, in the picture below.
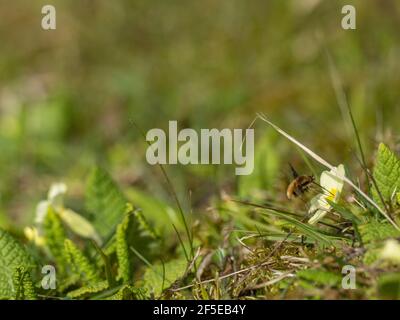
{"points": [[331, 183], [32, 234]]}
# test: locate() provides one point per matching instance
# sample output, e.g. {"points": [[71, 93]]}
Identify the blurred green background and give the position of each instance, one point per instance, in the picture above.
{"points": [[67, 96]]}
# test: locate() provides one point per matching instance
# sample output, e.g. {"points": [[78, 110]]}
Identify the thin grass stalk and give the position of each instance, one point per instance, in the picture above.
{"points": [[344, 106], [175, 196]]}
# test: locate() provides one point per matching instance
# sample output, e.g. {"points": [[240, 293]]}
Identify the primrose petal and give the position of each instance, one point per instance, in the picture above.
{"points": [[330, 181], [314, 204], [41, 211], [317, 216], [56, 194]]}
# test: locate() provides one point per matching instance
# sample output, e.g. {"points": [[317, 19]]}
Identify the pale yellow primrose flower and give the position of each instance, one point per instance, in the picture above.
{"points": [[391, 251], [77, 223], [332, 185]]}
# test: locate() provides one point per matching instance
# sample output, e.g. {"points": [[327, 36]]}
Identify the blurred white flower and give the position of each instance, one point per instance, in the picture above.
{"points": [[56, 194], [54, 198], [391, 251], [331, 183]]}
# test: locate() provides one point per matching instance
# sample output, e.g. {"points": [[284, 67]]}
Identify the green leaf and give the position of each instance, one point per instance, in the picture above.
{"points": [[128, 292], [80, 264], [376, 230], [156, 211], [344, 212], [12, 256], [158, 278], [389, 286], [134, 231], [54, 233], [22, 281], [87, 290], [307, 229], [122, 249], [386, 174], [145, 230], [105, 201], [266, 168], [371, 255], [321, 277]]}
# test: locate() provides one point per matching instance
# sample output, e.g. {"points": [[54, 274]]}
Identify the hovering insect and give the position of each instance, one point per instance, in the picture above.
{"points": [[299, 185]]}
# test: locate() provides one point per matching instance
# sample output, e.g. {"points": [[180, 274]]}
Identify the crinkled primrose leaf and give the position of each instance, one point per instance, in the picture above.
{"points": [[105, 201], [12, 256], [54, 234], [374, 230], [22, 281], [134, 230], [122, 249], [80, 264], [88, 290], [128, 292], [387, 176]]}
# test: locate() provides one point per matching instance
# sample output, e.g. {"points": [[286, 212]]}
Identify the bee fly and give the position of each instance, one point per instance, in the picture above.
{"points": [[299, 184]]}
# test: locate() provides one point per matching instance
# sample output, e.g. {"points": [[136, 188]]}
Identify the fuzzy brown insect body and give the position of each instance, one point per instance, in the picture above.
{"points": [[299, 186]]}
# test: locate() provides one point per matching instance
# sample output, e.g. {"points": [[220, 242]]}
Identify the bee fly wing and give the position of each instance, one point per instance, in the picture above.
{"points": [[294, 172]]}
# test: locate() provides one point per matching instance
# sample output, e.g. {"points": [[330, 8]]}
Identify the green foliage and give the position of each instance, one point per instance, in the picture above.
{"points": [[389, 286], [145, 230], [143, 237], [22, 282], [345, 212], [134, 231], [320, 277], [371, 255], [129, 292], [105, 201], [376, 231], [88, 290], [387, 175], [12, 257], [372, 234], [57, 119], [160, 277], [122, 249], [309, 230], [55, 236], [80, 264], [161, 214], [266, 166]]}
